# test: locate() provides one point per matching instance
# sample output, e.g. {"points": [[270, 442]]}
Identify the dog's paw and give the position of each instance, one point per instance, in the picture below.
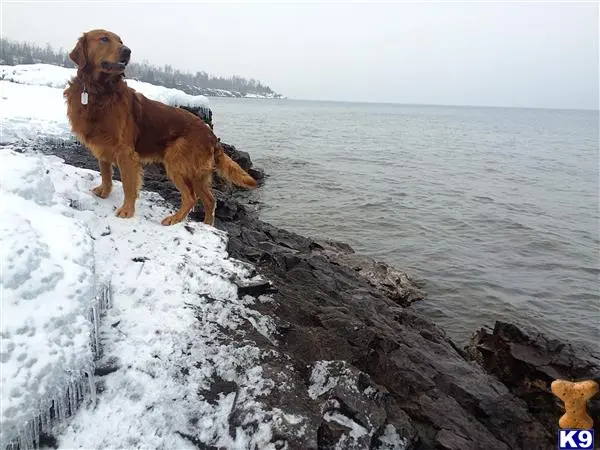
{"points": [[102, 191], [125, 212], [171, 220]]}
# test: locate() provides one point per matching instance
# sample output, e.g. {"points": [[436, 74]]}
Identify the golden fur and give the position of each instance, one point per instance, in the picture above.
{"points": [[124, 128]]}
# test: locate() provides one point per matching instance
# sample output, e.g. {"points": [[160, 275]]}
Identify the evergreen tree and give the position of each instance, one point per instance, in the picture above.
{"points": [[12, 52]]}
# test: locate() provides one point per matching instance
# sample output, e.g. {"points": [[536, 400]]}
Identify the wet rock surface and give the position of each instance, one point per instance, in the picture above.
{"points": [[349, 356]]}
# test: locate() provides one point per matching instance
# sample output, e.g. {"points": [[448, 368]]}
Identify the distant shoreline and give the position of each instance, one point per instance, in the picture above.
{"points": [[425, 105], [230, 94]]}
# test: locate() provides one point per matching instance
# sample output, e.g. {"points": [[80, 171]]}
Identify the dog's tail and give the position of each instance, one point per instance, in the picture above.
{"points": [[229, 169]]}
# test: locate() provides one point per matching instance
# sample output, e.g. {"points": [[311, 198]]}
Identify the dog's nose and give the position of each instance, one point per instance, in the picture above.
{"points": [[125, 53]]}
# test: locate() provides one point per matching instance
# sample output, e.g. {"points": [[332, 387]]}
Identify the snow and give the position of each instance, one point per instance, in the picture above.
{"points": [[168, 95], [38, 75], [176, 324], [58, 77], [29, 113], [48, 293], [33, 105], [391, 440], [331, 378], [326, 375], [320, 380], [356, 430]]}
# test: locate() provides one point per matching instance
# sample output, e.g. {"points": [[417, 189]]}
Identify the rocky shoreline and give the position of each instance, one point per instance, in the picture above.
{"points": [[387, 365]]}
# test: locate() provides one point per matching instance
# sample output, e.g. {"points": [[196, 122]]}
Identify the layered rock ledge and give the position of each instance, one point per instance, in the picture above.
{"points": [[366, 370], [527, 362]]}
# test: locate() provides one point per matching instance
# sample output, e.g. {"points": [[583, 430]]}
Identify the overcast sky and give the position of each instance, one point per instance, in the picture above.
{"points": [[496, 54]]}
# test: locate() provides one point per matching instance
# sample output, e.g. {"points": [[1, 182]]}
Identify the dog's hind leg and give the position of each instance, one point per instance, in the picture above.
{"points": [[188, 197], [203, 188]]}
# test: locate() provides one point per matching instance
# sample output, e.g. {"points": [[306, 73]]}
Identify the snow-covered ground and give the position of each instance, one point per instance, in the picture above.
{"points": [[48, 293], [173, 327]]}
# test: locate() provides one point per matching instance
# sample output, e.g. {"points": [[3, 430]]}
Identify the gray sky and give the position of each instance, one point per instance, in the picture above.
{"points": [[494, 53]]}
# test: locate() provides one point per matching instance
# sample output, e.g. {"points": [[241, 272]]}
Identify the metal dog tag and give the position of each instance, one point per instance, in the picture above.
{"points": [[84, 98]]}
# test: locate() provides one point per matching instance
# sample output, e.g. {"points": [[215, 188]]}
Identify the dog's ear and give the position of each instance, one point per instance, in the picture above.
{"points": [[79, 54]]}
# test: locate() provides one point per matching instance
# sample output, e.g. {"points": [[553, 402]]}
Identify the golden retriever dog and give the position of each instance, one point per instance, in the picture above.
{"points": [[124, 128]]}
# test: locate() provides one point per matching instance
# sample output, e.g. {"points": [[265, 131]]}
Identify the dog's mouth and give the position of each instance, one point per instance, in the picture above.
{"points": [[114, 66]]}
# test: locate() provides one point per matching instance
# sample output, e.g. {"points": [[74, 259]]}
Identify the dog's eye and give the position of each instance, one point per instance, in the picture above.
{"points": [[104, 39]]}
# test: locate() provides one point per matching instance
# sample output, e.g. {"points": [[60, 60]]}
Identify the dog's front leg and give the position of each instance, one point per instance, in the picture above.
{"points": [[130, 168], [105, 188]]}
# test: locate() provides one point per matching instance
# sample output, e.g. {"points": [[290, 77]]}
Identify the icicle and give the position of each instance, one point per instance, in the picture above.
{"points": [[75, 391], [60, 400], [51, 414], [31, 438], [79, 393], [92, 387], [72, 398], [107, 296], [26, 441], [45, 416], [57, 411], [102, 298], [63, 404], [96, 324], [36, 432], [23, 440], [95, 339], [67, 401]]}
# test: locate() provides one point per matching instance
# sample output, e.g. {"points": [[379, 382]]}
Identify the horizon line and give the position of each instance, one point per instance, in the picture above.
{"points": [[448, 105]]}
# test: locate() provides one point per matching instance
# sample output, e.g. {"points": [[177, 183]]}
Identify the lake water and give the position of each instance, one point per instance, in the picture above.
{"points": [[496, 209]]}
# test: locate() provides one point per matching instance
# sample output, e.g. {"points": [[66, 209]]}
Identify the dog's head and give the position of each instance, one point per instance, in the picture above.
{"points": [[101, 51]]}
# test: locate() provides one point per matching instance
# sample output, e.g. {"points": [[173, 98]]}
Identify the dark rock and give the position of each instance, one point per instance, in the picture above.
{"points": [[106, 367], [218, 388], [397, 285], [335, 305], [197, 442], [47, 441], [243, 159], [240, 157], [205, 113], [257, 174], [527, 363], [141, 259], [254, 288]]}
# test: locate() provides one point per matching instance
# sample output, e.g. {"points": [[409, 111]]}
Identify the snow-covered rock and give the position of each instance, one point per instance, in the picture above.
{"points": [[49, 301], [30, 113], [175, 326], [37, 74]]}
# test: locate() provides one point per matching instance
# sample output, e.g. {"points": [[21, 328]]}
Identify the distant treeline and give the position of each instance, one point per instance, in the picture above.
{"points": [[12, 53]]}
